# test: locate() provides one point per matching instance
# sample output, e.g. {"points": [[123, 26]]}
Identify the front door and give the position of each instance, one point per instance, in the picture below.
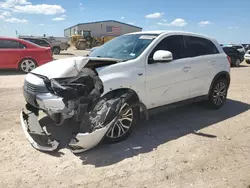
{"points": [[168, 82]]}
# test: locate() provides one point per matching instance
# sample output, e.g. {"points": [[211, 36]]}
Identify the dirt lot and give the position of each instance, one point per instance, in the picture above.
{"points": [[189, 146]]}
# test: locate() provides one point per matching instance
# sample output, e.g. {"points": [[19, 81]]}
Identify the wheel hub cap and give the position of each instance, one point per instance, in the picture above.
{"points": [[123, 124], [28, 65], [219, 93]]}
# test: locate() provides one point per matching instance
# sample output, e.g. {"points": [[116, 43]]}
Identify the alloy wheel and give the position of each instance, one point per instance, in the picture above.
{"points": [[123, 124], [237, 63], [219, 94], [27, 65]]}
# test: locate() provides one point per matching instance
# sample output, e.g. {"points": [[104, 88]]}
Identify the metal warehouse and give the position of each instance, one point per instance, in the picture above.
{"points": [[101, 28]]}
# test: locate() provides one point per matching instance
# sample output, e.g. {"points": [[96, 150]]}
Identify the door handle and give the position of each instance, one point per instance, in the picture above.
{"points": [[186, 69]]}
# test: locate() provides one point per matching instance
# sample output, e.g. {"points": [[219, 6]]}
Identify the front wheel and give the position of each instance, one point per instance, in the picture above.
{"points": [[218, 93], [248, 61], [123, 127]]}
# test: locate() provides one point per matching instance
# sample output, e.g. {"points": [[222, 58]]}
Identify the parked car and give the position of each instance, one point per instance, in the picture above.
{"points": [[247, 57], [56, 46], [20, 54], [132, 73], [236, 57], [239, 47]]}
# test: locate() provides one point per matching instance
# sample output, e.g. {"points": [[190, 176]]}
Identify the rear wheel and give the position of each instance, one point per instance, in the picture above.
{"points": [[218, 93], [27, 65], [248, 61], [237, 62]]}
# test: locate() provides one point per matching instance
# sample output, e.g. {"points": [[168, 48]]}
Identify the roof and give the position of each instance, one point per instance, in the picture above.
{"points": [[158, 32], [104, 21]]}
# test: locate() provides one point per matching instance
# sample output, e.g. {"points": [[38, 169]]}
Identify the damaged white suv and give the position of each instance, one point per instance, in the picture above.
{"points": [[108, 90]]}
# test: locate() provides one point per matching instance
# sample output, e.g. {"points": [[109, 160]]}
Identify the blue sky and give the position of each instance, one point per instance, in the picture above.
{"points": [[225, 20]]}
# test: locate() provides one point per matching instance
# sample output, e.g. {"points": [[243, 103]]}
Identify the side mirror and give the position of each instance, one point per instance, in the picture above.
{"points": [[162, 56]]}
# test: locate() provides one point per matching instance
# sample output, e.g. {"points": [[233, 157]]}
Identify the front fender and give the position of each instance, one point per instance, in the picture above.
{"points": [[127, 80]]}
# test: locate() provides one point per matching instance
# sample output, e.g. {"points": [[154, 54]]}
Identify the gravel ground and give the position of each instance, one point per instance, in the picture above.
{"points": [[189, 146]]}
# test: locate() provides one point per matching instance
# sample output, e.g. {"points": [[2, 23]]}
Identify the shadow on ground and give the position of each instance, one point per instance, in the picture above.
{"points": [[162, 127], [10, 72], [64, 53]]}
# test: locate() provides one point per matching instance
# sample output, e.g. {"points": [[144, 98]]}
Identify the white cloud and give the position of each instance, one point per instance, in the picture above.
{"points": [[179, 22], [40, 9], [81, 7], [41, 24], [15, 20], [203, 23], [230, 27], [122, 18], [63, 16], [58, 19], [154, 15], [25, 6], [11, 3], [5, 14]]}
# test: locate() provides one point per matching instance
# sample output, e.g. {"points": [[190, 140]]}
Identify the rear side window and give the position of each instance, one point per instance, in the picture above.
{"points": [[11, 44], [229, 50], [174, 44], [198, 46]]}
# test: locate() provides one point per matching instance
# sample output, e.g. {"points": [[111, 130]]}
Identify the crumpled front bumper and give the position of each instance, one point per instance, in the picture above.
{"points": [[41, 140], [37, 136]]}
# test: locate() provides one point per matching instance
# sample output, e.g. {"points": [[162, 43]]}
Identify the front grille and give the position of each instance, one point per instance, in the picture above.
{"points": [[34, 88]]}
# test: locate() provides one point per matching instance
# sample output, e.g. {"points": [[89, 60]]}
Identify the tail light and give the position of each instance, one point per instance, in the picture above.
{"points": [[229, 60]]}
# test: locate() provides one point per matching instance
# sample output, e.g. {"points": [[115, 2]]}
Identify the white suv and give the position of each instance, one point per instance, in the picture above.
{"points": [[108, 90]]}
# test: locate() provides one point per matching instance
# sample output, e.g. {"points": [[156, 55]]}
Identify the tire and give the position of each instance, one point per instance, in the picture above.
{"points": [[56, 50], [124, 125], [218, 93], [237, 62], [248, 61], [27, 65]]}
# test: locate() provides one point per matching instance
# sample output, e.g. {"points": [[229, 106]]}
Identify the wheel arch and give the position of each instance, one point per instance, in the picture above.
{"points": [[136, 96], [222, 74]]}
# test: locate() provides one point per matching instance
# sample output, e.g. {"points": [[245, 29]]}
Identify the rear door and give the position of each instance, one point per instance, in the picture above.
{"points": [[10, 53], [204, 59]]}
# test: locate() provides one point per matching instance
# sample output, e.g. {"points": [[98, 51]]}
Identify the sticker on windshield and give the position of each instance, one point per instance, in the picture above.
{"points": [[132, 54], [150, 37]]}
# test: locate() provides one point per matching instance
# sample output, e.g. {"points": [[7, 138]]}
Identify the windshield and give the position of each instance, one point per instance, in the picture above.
{"points": [[125, 47]]}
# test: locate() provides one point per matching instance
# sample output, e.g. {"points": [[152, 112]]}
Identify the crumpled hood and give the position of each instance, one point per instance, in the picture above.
{"points": [[60, 68]]}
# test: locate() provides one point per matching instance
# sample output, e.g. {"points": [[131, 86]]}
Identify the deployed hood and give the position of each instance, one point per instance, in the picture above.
{"points": [[66, 67]]}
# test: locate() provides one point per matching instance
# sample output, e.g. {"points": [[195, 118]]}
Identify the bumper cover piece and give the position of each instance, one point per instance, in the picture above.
{"points": [[38, 138]]}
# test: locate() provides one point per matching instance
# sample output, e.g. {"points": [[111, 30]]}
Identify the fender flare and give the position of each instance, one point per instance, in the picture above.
{"points": [[219, 75]]}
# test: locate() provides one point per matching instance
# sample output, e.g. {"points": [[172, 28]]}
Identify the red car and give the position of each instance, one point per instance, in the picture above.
{"points": [[23, 55]]}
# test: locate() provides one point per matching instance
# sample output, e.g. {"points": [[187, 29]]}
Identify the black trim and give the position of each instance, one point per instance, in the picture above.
{"points": [[179, 103], [101, 22]]}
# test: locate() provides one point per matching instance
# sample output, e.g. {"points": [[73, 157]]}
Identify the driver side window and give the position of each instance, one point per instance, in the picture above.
{"points": [[174, 44]]}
